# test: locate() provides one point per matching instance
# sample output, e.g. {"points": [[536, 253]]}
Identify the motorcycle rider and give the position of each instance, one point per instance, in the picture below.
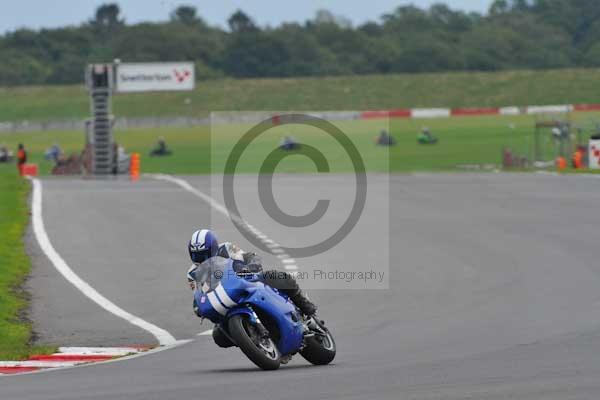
{"points": [[204, 245]]}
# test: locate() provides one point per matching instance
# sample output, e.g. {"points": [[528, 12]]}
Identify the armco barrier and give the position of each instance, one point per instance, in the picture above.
{"points": [[586, 107], [239, 117], [374, 114], [549, 109], [400, 113], [396, 113], [430, 112], [510, 111], [459, 112], [255, 117], [477, 111], [163, 122], [121, 123]]}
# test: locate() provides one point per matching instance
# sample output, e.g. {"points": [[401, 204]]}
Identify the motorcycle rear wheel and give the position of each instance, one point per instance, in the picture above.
{"points": [[261, 352]]}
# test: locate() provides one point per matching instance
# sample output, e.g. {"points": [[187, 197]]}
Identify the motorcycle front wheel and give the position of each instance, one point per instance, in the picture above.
{"points": [[261, 351], [320, 348]]}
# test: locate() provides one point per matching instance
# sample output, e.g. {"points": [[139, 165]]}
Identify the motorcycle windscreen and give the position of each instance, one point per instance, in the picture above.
{"points": [[208, 281], [210, 273]]}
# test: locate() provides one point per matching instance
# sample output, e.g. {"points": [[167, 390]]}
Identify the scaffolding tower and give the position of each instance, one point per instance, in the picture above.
{"points": [[100, 84]]}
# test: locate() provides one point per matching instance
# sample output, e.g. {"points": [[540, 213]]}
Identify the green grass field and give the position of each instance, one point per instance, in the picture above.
{"points": [[463, 140], [15, 330], [460, 89]]}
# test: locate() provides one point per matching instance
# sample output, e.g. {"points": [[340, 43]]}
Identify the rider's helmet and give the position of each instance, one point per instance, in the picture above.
{"points": [[203, 245]]}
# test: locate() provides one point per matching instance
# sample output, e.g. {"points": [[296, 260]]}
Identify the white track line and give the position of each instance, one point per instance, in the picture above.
{"points": [[40, 364], [163, 337], [547, 173], [273, 246], [98, 351]]}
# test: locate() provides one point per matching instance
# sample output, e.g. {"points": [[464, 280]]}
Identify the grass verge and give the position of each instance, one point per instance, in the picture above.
{"points": [[369, 92], [463, 141], [15, 329]]}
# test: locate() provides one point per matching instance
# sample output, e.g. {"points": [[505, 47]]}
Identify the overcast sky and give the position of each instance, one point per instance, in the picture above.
{"points": [[53, 13]]}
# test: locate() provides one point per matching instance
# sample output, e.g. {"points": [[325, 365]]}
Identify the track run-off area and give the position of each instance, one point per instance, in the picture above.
{"points": [[492, 288]]}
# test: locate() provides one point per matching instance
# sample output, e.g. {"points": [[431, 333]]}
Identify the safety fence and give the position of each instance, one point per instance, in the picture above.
{"points": [[254, 117]]}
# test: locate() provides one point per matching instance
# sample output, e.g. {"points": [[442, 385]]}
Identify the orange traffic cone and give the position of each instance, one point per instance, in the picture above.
{"points": [[134, 167], [561, 163]]}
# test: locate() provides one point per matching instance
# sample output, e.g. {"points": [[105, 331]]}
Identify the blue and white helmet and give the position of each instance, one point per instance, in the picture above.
{"points": [[203, 245]]}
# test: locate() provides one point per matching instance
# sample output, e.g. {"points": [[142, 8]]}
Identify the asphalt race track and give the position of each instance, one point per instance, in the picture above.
{"points": [[494, 290]]}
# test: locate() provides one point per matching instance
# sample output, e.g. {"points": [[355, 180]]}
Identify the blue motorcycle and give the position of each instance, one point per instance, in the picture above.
{"points": [[257, 318]]}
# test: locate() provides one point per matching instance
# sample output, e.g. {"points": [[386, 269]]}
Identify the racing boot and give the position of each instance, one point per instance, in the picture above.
{"points": [[306, 306], [286, 359]]}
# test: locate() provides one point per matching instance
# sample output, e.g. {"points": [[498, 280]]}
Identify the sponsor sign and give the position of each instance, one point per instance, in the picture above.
{"points": [[149, 77], [594, 154]]}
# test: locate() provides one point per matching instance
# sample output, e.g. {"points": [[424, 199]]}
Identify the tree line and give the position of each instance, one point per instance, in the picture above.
{"points": [[513, 34]]}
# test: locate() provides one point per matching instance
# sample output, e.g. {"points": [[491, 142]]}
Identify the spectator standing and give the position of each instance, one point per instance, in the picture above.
{"points": [[21, 158]]}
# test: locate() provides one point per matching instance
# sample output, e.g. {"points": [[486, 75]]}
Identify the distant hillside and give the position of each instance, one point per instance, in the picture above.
{"points": [[335, 93]]}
